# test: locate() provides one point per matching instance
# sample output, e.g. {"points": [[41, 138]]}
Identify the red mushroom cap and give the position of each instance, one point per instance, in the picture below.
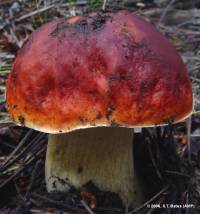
{"points": [[110, 69]]}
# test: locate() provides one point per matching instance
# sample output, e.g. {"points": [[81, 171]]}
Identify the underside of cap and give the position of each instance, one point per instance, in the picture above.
{"points": [[110, 69], [80, 125]]}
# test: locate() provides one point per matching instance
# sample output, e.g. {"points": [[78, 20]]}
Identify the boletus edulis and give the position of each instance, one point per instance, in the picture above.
{"points": [[88, 81]]}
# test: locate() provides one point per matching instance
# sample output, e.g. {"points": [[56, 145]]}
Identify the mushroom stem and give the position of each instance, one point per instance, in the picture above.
{"points": [[103, 156]]}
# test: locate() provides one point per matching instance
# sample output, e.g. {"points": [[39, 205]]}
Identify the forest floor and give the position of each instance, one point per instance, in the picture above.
{"points": [[172, 161]]}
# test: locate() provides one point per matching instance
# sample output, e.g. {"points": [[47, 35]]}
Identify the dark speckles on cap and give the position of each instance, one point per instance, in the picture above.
{"points": [[59, 27], [122, 76], [21, 119], [99, 116], [82, 25], [83, 119], [114, 124], [112, 78], [90, 78], [110, 109], [99, 20]]}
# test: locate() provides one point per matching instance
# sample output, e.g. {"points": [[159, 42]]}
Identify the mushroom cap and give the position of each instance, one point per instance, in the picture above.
{"points": [[104, 69]]}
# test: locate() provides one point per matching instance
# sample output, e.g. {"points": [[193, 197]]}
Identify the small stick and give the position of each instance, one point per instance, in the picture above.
{"points": [[188, 125], [51, 202], [34, 13], [165, 11], [32, 180], [195, 79], [149, 201], [177, 173], [104, 5], [86, 207], [196, 112], [22, 152], [154, 162], [19, 146], [18, 171]]}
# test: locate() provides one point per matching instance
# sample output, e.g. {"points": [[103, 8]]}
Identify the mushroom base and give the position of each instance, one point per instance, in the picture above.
{"points": [[101, 155]]}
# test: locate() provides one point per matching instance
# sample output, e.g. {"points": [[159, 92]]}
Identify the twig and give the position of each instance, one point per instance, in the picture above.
{"points": [[194, 69], [109, 210], [196, 58], [188, 22], [193, 40], [33, 176], [35, 12], [23, 151], [187, 202], [23, 141], [171, 29], [149, 201], [196, 112], [55, 203], [195, 79], [152, 210], [46, 8], [15, 39], [188, 124], [6, 123], [17, 172], [195, 135], [165, 11], [78, 3], [177, 173], [86, 207], [154, 162], [104, 5], [37, 7]]}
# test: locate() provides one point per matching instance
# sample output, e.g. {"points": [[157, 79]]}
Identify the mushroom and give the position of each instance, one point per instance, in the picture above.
{"points": [[88, 81]]}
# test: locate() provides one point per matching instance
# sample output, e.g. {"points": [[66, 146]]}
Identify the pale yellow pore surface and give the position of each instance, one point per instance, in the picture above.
{"points": [[101, 155]]}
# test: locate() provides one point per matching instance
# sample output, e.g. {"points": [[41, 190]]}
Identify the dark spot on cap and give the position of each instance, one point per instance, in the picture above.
{"points": [[127, 57], [21, 119], [110, 109], [81, 26], [112, 78], [39, 103], [99, 116], [122, 76], [176, 90], [168, 121], [99, 20], [83, 119]]}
